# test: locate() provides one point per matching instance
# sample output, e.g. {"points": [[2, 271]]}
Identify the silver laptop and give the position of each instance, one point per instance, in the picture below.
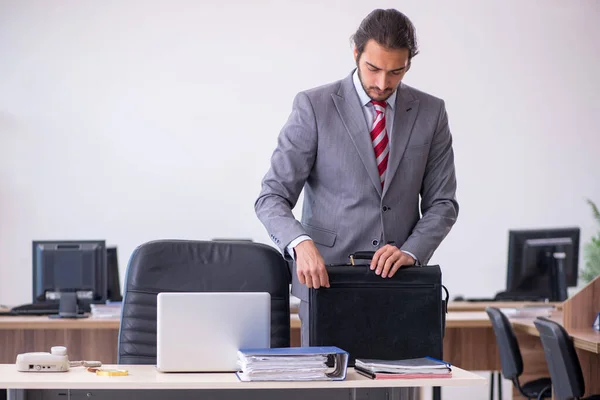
{"points": [[202, 332]]}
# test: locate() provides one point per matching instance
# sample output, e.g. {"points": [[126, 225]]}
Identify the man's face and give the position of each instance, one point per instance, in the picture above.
{"points": [[380, 69]]}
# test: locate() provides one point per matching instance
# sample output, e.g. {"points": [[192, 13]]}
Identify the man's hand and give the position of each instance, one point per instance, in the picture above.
{"points": [[388, 259], [310, 266]]}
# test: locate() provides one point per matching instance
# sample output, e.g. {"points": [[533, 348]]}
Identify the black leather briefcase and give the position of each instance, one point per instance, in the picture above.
{"points": [[383, 318]]}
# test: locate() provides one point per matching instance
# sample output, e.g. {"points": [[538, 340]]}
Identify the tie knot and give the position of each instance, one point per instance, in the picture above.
{"points": [[379, 105]]}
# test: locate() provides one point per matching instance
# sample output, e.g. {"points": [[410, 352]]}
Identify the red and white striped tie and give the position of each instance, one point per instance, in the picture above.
{"points": [[380, 139]]}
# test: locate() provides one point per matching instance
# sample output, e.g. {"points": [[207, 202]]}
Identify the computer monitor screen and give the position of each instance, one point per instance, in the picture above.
{"points": [[69, 266], [112, 273], [542, 262]]}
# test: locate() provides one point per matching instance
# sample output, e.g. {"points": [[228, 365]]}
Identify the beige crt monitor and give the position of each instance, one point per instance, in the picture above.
{"points": [[202, 332]]}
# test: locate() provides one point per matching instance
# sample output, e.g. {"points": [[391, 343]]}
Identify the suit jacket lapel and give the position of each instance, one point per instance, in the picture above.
{"points": [[348, 106], [407, 108]]}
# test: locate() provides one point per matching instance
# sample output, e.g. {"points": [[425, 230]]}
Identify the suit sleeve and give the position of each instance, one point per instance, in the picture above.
{"points": [[291, 164], [439, 207]]}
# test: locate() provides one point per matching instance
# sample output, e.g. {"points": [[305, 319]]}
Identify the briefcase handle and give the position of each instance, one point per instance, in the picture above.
{"points": [[357, 255], [368, 255], [361, 255]]}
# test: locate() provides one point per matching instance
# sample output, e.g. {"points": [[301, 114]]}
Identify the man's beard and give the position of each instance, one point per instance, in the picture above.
{"points": [[386, 94]]}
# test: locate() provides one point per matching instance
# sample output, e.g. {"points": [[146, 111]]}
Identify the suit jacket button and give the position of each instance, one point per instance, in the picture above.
{"points": [[375, 242], [385, 208]]}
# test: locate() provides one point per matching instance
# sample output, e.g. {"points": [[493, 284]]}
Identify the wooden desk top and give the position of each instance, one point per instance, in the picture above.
{"points": [[468, 319], [473, 319], [584, 339], [526, 324], [481, 305], [453, 320], [44, 322], [452, 306], [146, 377]]}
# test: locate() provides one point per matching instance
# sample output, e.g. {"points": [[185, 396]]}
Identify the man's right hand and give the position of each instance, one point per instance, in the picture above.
{"points": [[310, 266]]}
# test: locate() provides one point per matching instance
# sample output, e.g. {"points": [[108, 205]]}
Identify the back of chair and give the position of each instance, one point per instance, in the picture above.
{"points": [[508, 346], [197, 266], [561, 357]]}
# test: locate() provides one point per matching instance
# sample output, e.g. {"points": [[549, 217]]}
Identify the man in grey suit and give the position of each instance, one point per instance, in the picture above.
{"points": [[365, 150]]}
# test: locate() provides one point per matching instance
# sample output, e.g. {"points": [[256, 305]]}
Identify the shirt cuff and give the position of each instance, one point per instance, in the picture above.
{"points": [[417, 263], [294, 243]]}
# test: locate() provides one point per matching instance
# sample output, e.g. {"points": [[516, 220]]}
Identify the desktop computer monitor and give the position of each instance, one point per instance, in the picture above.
{"points": [[70, 266], [112, 273], [542, 263]]}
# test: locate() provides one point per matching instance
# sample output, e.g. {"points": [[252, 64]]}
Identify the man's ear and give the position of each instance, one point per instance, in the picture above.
{"points": [[355, 54]]}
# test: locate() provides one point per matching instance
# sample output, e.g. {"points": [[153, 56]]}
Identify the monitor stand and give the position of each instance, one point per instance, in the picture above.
{"points": [[558, 279], [68, 307]]}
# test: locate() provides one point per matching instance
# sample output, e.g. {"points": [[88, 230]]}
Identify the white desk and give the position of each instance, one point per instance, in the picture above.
{"points": [[146, 377], [144, 380]]}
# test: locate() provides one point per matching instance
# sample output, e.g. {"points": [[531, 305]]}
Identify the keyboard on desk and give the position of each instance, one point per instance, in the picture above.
{"points": [[480, 300], [34, 309]]}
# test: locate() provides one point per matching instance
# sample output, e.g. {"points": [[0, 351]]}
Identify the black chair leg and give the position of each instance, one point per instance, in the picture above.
{"points": [[499, 385], [547, 389], [492, 375]]}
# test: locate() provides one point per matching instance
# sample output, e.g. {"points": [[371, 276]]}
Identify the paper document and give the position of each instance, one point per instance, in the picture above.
{"points": [[292, 363], [410, 368], [528, 311]]}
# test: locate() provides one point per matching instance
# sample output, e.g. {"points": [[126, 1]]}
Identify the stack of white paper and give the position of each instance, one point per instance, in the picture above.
{"points": [[289, 364], [257, 368], [411, 367]]}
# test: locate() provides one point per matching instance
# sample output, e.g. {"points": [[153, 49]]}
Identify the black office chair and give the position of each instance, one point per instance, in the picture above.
{"points": [[564, 366], [197, 266], [511, 359]]}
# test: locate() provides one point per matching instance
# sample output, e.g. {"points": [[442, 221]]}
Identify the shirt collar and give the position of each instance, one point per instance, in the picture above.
{"points": [[364, 97]]}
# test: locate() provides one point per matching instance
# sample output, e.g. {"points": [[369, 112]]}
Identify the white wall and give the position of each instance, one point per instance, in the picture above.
{"points": [[139, 120]]}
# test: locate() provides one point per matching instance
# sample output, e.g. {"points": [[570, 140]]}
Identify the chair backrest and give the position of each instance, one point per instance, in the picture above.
{"points": [[508, 346], [561, 357], [197, 266]]}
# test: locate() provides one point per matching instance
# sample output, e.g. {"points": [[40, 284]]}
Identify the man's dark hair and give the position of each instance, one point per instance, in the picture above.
{"points": [[390, 28]]}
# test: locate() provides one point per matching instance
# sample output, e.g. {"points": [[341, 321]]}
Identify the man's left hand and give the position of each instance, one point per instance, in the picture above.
{"points": [[388, 259]]}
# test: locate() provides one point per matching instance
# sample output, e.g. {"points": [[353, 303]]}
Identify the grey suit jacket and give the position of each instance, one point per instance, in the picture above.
{"points": [[325, 149]]}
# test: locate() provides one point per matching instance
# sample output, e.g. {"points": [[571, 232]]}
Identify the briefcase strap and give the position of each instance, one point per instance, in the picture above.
{"points": [[447, 298]]}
